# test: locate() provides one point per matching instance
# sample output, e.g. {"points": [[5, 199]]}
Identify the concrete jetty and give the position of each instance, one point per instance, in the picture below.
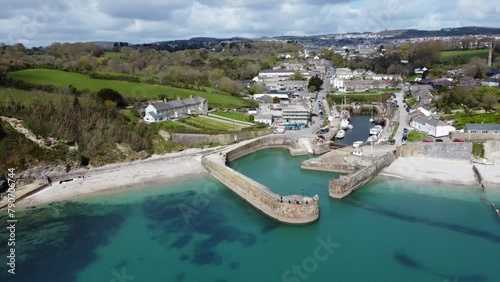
{"points": [[292, 209]]}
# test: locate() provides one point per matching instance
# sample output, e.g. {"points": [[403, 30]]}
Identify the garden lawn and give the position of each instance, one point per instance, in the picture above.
{"points": [[137, 90], [233, 115], [415, 136]]}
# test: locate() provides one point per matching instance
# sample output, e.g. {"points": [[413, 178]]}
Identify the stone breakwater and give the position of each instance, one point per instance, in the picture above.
{"points": [[292, 209], [343, 186]]}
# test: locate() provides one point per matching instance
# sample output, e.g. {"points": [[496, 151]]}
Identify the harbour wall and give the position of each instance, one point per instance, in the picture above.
{"points": [[343, 186], [292, 209], [451, 151], [268, 142], [223, 139]]}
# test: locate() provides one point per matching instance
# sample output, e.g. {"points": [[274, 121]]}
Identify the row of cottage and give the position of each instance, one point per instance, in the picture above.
{"points": [[345, 79], [174, 109]]}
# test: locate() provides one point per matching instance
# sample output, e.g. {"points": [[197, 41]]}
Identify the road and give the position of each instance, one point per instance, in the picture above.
{"points": [[403, 118]]}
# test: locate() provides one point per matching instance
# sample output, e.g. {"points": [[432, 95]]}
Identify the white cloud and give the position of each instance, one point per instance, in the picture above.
{"points": [[35, 22]]}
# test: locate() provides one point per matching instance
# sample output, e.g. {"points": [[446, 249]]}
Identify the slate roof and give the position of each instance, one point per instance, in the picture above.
{"points": [[482, 126]]}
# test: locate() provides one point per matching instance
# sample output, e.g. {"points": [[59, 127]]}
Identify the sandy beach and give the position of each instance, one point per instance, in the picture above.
{"points": [[115, 177], [442, 170]]}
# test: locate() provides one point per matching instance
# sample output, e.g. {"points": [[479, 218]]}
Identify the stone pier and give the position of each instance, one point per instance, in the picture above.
{"points": [[292, 209], [358, 169]]}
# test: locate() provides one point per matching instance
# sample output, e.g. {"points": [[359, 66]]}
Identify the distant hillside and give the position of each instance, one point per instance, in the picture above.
{"points": [[193, 43], [459, 31]]}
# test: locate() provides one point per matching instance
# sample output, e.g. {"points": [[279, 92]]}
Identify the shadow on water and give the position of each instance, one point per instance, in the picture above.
{"points": [[207, 220], [409, 262], [57, 248], [453, 227]]}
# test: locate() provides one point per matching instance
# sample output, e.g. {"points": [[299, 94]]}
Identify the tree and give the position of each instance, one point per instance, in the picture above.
{"points": [[489, 100], [276, 100], [297, 76], [107, 94], [315, 81], [477, 68]]}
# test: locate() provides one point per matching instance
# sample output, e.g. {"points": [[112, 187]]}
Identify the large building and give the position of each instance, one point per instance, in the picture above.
{"points": [[164, 110], [296, 114]]}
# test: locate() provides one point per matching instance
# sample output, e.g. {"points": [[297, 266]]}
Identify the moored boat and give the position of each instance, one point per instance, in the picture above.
{"points": [[357, 144], [376, 130], [344, 124], [340, 134]]}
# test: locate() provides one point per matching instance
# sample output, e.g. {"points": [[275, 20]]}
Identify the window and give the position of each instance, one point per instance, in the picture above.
{"points": [[484, 132], [497, 132], [473, 132]]}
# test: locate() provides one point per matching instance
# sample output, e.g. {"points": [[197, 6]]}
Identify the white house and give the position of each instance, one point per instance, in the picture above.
{"points": [[425, 111], [276, 73], [267, 119], [163, 110], [338, 83], [432, 126], [343, 73], [420, 70]]}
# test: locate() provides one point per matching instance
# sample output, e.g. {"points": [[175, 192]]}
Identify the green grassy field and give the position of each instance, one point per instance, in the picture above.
{"points": [[467, 54], [233, 115], [138, 90]]}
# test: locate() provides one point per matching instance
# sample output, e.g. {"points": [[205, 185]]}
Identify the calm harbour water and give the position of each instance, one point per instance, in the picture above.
{"points": [[198, 230]]}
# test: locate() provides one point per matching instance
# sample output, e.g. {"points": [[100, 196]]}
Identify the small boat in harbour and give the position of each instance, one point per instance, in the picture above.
{"points": [[350, 127], [344, 124], [340, 134], [376, 130], [357, 144]]}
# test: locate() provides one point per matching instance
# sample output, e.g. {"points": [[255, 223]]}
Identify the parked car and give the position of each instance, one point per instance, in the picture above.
{"points": [[392, 142], [439, 140], [427, 140], [405, 130], [458, 140]]}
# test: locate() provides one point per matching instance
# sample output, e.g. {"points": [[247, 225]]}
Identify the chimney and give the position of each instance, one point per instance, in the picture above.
{"points": [[191, 96], [179, 98], [490, 56], [164, 99]]}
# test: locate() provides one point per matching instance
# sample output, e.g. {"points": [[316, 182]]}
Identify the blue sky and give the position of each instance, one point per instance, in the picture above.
{"points": [[41, 22]]}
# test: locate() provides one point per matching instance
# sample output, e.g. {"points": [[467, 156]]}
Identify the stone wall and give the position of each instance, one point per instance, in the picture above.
{"points": [[445, 150], [271, 141], [223, 139], [343, 186], [257, 194], [492, 150], [474, 137]]}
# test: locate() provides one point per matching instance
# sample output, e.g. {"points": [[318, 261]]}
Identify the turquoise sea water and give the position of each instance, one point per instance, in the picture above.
{"points": [[198, 230]]}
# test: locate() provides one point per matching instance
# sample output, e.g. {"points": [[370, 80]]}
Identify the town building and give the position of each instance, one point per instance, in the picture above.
{"points": [[482, 131], [296, 114], [165, 110], [431, 126]]}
